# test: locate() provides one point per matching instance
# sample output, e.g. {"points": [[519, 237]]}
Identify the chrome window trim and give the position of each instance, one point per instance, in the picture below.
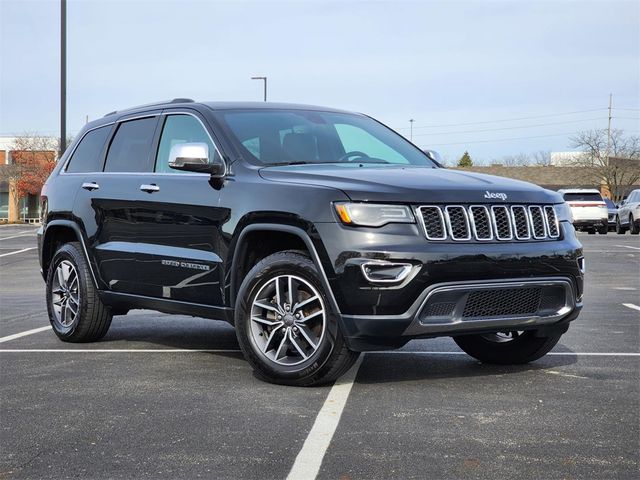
{"points": [[544, 223], [442, 222], [527, 220], [495, 224], [466, 219], [473, 223]]}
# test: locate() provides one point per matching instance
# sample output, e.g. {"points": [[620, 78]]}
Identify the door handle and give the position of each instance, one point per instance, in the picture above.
{"points": [[149, 188], [90, 186]]}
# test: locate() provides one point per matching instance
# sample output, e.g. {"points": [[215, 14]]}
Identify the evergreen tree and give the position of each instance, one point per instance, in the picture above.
{"points": [[465, 160]]}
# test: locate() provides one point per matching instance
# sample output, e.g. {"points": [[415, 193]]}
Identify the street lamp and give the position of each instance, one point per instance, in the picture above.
{"points": [[265, 85], [411, 124]]}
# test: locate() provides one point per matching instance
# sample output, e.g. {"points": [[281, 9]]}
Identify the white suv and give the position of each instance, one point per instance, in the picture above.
{"points": [[628, 217], [588, 209]]}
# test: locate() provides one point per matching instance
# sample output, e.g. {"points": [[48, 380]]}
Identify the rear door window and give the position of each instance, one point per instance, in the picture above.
{"points": [[87, 156], [130, 149], [582, 197]]}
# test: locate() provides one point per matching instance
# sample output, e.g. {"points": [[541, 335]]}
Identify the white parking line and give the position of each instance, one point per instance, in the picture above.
{"points": [[218, 350], [116, 350], [16, 236], [632, 306], [627, 246], [309, 459], [24, 334], [18, 251]]}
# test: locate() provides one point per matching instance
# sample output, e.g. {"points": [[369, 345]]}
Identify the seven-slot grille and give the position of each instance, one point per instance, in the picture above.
{"points": [[489, 222]]}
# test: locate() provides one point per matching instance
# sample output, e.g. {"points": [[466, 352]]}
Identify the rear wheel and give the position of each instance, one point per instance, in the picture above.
{"points": [[75, 311], [591, 231], [285, 326], [507, 348], [603, 230], [634, 229]]}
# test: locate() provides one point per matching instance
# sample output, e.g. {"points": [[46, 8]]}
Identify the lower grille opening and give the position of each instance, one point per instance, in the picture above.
{"points": [[502, 302]]}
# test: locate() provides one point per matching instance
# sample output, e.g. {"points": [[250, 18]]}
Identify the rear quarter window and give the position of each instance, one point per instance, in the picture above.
{"points": [[87, 156]]}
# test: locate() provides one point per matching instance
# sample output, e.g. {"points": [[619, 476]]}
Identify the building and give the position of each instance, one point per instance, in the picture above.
{"points": [[29, 206]]}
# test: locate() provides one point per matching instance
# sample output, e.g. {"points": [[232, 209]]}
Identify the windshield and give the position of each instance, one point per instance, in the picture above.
{"points": [[582, 197], [277, 137]]}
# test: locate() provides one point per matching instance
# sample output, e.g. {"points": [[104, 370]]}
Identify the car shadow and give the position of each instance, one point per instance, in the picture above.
{"points": [[179, 332], [391, 367]]}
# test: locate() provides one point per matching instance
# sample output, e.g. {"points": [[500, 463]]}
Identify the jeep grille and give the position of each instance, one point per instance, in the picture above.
{"points": [[489, 222]]}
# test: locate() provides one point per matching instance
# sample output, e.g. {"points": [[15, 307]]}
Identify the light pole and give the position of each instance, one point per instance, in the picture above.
{"points": [[63, 76], [265, 85], [411, 124]]}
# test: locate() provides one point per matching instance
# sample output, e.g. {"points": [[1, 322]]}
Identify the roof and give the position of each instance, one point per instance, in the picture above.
{"points": [[225, 106], [579, 190]]}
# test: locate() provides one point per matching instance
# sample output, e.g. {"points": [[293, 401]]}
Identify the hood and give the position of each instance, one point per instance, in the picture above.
{"points": [[412, 184]]}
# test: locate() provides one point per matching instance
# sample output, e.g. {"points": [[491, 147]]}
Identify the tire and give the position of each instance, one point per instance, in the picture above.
{"points": [[92, 318], [591, 231], [281, 347], [634, 229], [619, 228], [603, 230], [522, 347]]}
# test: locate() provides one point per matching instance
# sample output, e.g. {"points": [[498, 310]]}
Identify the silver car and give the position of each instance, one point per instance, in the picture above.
{"points": [[628, 217]]}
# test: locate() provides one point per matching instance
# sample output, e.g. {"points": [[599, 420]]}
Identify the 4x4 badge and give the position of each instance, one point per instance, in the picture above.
{"points": [[500, 195]]}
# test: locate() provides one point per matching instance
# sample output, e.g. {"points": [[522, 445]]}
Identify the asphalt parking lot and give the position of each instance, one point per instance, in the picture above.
{"points": [[171, 397]]}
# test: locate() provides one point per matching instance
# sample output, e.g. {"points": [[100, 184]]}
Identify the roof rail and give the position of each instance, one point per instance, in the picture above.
{"points": [[154, 104]]}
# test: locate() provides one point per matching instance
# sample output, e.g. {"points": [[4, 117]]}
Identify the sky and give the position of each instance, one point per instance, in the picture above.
{"points": [[495, 78]]}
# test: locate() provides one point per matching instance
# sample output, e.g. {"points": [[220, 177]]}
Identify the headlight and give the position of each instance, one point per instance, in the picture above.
{"points": [[372, 214], [563, 212]]}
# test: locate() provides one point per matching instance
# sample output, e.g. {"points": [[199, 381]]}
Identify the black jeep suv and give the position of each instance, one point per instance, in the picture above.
{"points": [[318, 233]]}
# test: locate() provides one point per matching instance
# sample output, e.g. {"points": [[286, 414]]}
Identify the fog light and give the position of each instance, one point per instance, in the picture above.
{"points": [[385, 272]]}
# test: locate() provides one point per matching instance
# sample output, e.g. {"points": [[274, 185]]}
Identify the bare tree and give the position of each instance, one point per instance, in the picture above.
{"points": [[519, 160], [614, 163], [542, 158]]}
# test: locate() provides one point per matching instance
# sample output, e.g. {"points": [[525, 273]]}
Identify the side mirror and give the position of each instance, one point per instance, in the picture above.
{"points": [[434, 156], [194, 157]]}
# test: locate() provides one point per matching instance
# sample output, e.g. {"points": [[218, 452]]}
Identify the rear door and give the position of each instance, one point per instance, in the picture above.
{"points": [[178, 219], [108, 204]]}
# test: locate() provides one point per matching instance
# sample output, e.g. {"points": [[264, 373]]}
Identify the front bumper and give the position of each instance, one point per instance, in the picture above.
{"points": [[388, 315]]}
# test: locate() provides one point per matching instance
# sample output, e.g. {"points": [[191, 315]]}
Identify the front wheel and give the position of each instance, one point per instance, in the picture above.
{"points": [[285, 326], [603, 230], [619, 228], [507, 348]]}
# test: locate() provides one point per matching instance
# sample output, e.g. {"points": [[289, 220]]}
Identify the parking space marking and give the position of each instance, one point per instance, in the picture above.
{"points": [[632, 306], [17, 236], [18, 251], [24, 334], [309, 459], [118, 350], [231, 350], [625, 288], [627, 246]]}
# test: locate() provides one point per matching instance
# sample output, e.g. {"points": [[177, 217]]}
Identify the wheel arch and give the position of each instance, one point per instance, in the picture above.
{"points": [[296, 236], [57, 233]]}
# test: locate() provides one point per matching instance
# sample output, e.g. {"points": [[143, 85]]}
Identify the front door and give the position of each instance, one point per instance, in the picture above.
{"points": [[178, 221]]}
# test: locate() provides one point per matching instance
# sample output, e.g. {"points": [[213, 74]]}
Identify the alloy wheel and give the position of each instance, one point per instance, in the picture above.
{"points": [[65, 293], [288, 320]]}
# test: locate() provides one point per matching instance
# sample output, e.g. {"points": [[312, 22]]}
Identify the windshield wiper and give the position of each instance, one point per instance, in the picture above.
{"points": [[284, 164]]}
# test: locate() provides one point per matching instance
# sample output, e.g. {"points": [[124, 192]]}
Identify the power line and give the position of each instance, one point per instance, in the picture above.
{"points": [[509, 128], [503, 139], [507, 119]]}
